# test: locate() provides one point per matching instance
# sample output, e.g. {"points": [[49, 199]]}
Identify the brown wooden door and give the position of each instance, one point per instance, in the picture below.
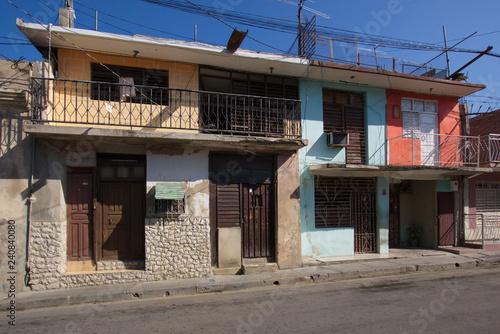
{"points": [[122, 222], [257, 232], [79, 213], [446, 219]]}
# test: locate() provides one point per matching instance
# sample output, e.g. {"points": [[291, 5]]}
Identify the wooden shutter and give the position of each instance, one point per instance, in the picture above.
{"points": [[228, 205]]}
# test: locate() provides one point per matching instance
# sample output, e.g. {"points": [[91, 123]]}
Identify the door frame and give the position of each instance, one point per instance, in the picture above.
{"points": [[213, 201], [98, 207]]}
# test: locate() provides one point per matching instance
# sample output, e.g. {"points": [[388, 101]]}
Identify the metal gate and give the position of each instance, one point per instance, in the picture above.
{"points": [[257, 236], [364, 221]]}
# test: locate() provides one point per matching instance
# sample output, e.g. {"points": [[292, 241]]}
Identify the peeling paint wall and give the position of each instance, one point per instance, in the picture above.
{"points": [[288, 199], [15, 165]]}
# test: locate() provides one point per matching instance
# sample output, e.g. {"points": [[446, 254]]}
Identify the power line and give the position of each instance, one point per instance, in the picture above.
{"points": [[288, 26]]}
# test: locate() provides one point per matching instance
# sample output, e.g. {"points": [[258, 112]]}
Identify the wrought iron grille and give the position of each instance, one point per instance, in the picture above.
{"points": [[88, 102]]}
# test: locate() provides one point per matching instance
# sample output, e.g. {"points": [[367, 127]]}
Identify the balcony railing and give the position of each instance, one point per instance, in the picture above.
{"points": [[423, 149], [57, 101], [490, 149]]}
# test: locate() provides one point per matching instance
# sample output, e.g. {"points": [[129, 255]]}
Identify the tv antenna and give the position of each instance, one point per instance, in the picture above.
{"points": [[301, 6]]}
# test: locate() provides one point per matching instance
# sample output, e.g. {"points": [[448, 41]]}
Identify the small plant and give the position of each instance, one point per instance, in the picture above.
{"points": [[415, 234]]}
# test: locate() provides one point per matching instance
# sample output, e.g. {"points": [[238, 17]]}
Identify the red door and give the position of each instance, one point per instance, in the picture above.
{"points": [[446, 219], [79, 213]]}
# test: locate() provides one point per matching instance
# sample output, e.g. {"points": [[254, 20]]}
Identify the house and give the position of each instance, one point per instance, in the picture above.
{"points": [[162, 159], [15, 166], [386, 156], [482, 220], [159, 159]]}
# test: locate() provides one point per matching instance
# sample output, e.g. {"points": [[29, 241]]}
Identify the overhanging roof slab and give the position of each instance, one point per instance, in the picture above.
{"points": [[242, 60], [396, 172]]}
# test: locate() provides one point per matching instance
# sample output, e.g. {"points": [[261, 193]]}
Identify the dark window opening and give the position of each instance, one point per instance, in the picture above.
{"points": [[335, 200], [130, 84]]}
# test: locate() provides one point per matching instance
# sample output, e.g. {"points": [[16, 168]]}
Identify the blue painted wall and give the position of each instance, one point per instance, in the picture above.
{"points": [[338, 241]]}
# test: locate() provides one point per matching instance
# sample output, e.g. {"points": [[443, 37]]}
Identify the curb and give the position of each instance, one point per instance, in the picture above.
{"points": [[219, 284]]}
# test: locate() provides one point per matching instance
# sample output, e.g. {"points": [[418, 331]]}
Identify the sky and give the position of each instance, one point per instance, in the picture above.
{"points": [[413, 20]]}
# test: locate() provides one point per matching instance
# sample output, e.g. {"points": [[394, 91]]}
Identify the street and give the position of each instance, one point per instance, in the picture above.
{"points": [[464, 301]]}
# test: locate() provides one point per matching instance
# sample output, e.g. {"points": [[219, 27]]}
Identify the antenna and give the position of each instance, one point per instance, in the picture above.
{"points": [[306, 34], [301, 6]]}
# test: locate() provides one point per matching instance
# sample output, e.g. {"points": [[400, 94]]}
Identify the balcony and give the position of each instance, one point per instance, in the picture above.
{"points": [[423, 149], [489, 150], [72, 102]]}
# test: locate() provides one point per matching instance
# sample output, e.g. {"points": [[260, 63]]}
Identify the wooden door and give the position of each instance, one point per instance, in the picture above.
{"points": [[258, 236], [79, 214], [446, 219], [122, 224]]}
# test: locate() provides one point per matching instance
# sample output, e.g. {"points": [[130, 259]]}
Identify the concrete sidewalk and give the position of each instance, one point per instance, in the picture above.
{"points": [[314, 270]]}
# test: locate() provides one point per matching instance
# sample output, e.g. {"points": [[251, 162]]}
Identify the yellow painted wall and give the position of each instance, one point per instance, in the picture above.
{"points": [[71, 102]]}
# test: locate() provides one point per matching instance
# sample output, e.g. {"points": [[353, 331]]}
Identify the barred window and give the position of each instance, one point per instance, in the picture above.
{"points": [[170, 208], [335, 198]]}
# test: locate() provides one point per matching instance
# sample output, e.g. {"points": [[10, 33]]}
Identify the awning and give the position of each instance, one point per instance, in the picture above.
{"points": [[397, 172], [169, 190]]}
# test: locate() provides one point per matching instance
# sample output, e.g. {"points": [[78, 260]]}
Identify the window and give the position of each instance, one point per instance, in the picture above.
{"points": [[223, 81], [343, 111], [169, 207], [412, 110], [169, 199], [335, 197], [138, 85]]}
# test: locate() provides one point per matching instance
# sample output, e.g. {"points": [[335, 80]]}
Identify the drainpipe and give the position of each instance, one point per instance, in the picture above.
{"points": [[30, 201]]}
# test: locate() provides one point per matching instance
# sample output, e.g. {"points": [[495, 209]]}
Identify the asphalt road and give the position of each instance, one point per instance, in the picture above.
{"points": [[465, 301]]}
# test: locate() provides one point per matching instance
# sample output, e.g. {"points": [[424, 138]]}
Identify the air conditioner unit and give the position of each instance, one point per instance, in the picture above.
{"points": [[337, 139]]}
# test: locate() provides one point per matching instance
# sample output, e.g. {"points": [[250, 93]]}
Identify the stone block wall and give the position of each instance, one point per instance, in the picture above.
{"points": [[175, 249], [178, 248], [47, 258]]}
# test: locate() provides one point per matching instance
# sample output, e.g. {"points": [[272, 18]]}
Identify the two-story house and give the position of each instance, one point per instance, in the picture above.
{"points": [[385, 158], [482, 220], [158, 159]]}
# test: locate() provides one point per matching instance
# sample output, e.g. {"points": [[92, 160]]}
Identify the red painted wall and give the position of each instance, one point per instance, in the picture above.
{"points": [[400, 149]]}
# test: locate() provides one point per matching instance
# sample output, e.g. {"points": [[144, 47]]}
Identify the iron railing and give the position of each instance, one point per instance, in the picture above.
{"points": [[111, 104], [415, 149], [490, 149], [481, 228]]}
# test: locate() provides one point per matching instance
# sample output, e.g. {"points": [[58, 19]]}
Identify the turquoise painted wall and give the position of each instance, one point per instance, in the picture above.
{"points": [[337, 241]]}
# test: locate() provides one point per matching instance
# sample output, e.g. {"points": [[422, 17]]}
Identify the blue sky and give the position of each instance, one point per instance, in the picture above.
{"points": [[414, 20]]}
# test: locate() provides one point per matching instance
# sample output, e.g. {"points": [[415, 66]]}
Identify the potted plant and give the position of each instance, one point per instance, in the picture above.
{"points": [[415, 234]]}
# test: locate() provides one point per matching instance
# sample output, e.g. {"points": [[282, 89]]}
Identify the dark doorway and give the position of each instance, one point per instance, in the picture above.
{"points": [[394, 221], [242, 195]]}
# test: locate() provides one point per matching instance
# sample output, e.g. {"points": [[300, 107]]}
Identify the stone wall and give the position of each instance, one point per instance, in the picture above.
{"points": [[175, 249], [178, 248], [47, 250]]}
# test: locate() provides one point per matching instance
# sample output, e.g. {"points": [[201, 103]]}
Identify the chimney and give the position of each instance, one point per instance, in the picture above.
{"points": [[67, 15]]}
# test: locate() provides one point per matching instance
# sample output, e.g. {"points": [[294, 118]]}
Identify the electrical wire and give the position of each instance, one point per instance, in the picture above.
{"points": [[288, 26]]}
